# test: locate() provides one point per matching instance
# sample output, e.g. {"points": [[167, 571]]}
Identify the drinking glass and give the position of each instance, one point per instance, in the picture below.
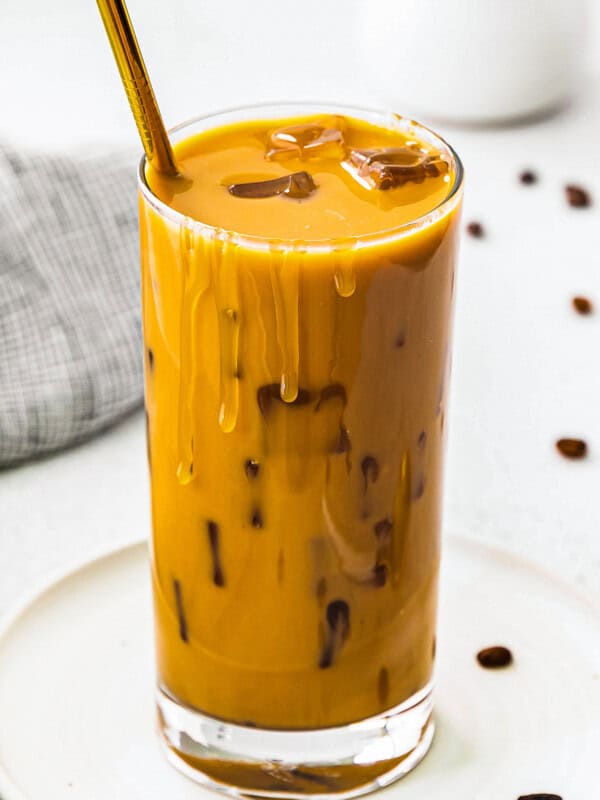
{"points": [[296, 400]]}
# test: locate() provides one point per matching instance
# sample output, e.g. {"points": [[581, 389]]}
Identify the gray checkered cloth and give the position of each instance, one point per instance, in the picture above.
{"points": [[70, 341]]}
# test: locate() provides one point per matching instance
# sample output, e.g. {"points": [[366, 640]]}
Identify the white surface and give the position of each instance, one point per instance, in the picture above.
{"points": [[477, 61], [500, 734], [526, 367]]}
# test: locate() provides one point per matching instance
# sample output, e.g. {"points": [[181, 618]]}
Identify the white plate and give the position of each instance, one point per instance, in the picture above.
{"points": [[76, 688]]}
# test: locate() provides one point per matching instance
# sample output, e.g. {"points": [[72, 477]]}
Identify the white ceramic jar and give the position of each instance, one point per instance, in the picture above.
{"points": [[472, 60]]}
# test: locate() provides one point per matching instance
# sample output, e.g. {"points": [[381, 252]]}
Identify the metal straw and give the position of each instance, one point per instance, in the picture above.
{"points": [[137, 85]]}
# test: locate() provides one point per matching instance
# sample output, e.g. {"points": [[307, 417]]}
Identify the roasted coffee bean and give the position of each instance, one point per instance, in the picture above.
{"points": [[572, 448], [213, 539], [577, 197], [476, 230], [528, 177], [252, 468], [183, 630], [370, 470], [383, 686], [495, 657], [582, 305]]}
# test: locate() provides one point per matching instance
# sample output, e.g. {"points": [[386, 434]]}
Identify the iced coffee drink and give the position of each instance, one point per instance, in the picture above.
{"points": [[298, 285]]}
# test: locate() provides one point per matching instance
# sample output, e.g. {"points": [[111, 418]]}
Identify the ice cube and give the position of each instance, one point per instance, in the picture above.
{"points": [[298, 185], [322, 139], [391, 167]]}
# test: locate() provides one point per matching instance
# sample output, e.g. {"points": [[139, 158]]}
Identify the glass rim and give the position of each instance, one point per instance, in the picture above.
{"points": [[443, 208]]}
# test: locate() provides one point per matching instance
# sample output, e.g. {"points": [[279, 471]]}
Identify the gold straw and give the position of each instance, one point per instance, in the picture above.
{"points": [[137, 86]]}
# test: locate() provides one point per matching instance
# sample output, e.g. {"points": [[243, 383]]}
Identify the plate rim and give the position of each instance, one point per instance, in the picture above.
{"points": [[10, 618]]}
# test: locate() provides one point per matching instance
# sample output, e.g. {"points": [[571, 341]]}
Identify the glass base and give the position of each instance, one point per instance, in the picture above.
{"points": [[340, 762]]}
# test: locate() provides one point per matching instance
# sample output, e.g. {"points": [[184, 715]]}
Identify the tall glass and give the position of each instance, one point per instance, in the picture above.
{"points": [[295, 396]]}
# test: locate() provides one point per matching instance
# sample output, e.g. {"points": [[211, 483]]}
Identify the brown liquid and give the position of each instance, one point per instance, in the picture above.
{"points": [[295, 400]]}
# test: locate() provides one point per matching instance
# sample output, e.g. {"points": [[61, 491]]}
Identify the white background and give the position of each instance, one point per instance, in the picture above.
{"points": [[526, 368]]}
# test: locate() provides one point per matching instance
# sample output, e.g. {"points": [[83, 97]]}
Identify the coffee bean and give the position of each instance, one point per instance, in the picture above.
{"points": [[183, 630], [577, 197], [476, 230], [572, 448], [528, 177], [252, 468], [495, 657], [582, 305]]}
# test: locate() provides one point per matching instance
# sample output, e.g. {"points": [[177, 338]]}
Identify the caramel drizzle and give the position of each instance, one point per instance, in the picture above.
{"points": [[344, 277], [285, 276], [213, 263], [224, 258], [196, 281]]}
